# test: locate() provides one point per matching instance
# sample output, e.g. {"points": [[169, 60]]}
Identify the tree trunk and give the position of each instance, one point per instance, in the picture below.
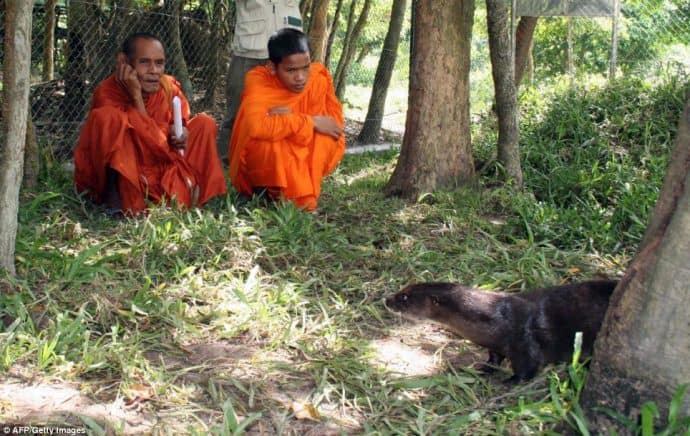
{"points": [[332, 30], [318, 30], [353, 32], [643, 349], [530, 67], [569, 66], [613, 61], [502, 69], [382, 78], [98, 44], [15, 108], [32, 164], [523, 43], [436, 151], [304, 7], [120, 24], [49, 41], [211, 75], [76, 98], [173, 48], [363, 53]]}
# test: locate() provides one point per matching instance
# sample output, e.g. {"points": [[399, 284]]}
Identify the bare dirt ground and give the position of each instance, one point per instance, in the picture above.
{"points": [[26, 397]]}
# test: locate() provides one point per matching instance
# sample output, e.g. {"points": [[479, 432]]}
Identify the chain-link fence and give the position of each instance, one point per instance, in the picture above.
{"points": [[75, 43], [668, 25]]}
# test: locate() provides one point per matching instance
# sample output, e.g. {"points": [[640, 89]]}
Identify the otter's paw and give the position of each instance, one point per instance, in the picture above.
{"points": [[485, 368], [514, 380]]}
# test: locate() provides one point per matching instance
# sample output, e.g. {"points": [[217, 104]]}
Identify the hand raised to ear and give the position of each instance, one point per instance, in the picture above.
{"points": [[127, 77]]}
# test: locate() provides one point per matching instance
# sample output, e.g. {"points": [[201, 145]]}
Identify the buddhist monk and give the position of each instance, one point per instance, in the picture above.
{"points": [[128, 153], [288, 133]]}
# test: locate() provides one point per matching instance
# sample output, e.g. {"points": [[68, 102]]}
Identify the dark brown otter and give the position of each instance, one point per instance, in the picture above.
{"points": [[531, 328]]}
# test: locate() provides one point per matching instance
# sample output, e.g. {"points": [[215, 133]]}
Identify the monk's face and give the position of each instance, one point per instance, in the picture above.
{"points": [[149, 63], [293, 71]]}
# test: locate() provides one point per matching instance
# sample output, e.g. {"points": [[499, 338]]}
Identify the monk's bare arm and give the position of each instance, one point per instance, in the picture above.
{"points": [[275, 124], [327, 125]]}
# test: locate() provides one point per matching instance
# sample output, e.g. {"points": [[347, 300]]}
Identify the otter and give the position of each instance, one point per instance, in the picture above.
{"points": [[530, 328]]}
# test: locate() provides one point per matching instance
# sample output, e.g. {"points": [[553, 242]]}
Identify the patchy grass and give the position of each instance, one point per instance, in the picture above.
{"points": [[242, 317]]}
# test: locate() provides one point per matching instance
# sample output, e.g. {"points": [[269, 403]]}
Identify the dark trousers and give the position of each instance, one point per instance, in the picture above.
{"points": [[234, 85]]}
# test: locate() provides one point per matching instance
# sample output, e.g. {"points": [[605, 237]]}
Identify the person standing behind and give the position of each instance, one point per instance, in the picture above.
{"points": [[255, 22], [288, 133], [128, 153]]}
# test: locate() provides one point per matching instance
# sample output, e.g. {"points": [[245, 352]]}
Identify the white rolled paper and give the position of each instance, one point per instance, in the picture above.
{"points": [[177, 119]]}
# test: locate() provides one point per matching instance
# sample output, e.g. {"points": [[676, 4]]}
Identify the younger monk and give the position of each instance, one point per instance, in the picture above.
{"points": [[288, 133], [128, 152]]}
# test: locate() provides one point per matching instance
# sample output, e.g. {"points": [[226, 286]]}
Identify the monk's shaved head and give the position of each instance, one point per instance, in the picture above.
{"points": [[129, 46], [286, 42]]}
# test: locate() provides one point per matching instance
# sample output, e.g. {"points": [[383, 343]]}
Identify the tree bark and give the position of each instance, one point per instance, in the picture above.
{"points": [[332, 30], [523, 43], [15, 108], [613, 62], [436, 151], [32, 164], [173, 48], [120, 24], [75, 102], [354, 29], [304, 7], [382, 78], [643, 349], [211, 75], [318, 30], [569, 65], [502, 70], [530, 68], [49, 41]]}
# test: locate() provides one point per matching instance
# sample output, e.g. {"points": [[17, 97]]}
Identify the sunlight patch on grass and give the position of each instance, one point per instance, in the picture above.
{"points": [[397, 357]]}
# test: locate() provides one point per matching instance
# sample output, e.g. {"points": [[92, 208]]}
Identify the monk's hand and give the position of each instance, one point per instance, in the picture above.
{"points": [[327, 125], [279, 110], [174, 141], [127, 77]]}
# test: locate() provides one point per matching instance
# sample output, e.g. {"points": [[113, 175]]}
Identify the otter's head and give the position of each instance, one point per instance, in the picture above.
{"points": [[423, 301]]}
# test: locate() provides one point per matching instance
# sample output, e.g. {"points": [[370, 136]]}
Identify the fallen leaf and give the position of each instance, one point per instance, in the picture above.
{"points": [[305, 411], [138, 394]]}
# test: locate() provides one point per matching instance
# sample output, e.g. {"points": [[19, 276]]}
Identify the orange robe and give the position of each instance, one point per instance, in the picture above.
{"points": [[284, 151], [118, 136]]}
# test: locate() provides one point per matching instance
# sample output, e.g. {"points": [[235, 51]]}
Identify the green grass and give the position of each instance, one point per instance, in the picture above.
{"points": [[234, 317]]}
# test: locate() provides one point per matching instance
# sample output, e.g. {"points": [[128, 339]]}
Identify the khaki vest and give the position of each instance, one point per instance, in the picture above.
{"points": [[257, 20]]}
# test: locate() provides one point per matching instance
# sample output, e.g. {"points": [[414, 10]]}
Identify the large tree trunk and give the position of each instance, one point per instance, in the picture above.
{"points": [[332, 30], [15, 108], [523, 43], [530, 67], [210, 74], [32, 163], [643, 349], [318, 30], [354, 29], [120, 25], [502, 69], [49, 41], [76, 98], [384, 71], [173, 48], [436, 151]]}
